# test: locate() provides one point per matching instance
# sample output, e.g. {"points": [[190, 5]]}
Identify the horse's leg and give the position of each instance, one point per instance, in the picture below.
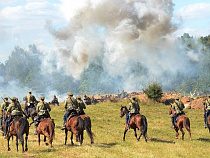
{"points": [[177, 134], [8, 143], [66, 133], [135, 134], [17, 143], [26, 142], [38, 134], [45, 138], [125, 133], [182, 132], [72, 138]]}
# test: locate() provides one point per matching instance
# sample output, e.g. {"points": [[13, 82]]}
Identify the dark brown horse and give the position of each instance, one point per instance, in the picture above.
{"points": [[208, 123], [138, 121], [31, 112], [47, 128], [76, 126], [87, 126], [182, 122], [18, 127]]}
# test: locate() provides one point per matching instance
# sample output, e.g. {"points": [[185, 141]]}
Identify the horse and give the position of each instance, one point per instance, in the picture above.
{"points": [[208, 122], [18, 127], [76, 125], [31, 112], [182, 122], [47, 128], [138, 121], [87, 126]]}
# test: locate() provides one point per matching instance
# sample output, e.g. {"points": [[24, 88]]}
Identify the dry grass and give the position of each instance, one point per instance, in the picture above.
{"points": [[108, 128]]}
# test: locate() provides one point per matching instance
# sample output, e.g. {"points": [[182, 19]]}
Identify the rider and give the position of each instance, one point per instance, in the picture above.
{"points": [[55, 100], [3, 107], [15, 110], [134, 109], [31, 100], [178, 106], [81, 106], [70, 105], [43, 110], [87, 100], [206, 110]]}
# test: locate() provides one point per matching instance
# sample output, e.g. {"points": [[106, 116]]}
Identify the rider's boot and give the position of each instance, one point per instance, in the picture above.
{"points": [[128, 126], [64, 125]]}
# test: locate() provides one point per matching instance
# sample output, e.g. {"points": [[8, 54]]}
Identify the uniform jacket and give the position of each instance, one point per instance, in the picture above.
{"points": [[81, 105], [178, 106], [31, 98], [71, 104], [4, 105], [13, 108], [134, 107], [43, 108], [207, 104]]}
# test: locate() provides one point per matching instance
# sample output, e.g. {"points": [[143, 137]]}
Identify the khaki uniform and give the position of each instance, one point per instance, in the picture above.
{"points": [[5, 105], [31, 98], [134, 107], [43, 108], [178, 106], [13, 108], [81, 106], [71, 104], [207, 104]]}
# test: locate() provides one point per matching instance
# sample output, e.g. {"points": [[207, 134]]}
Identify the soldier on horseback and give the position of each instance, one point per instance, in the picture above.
{"points": [[15, 110], [81, 106], [31, 101], [3, 107], [206, 110], [43, 110], [70, 105], [178, 106], [134, 109]]}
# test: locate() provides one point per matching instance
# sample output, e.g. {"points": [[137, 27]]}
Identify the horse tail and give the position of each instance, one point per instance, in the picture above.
{"points": [[144, 130], [22, 127], [52, 131], [88, 128], [80, 123], [186, 124]]}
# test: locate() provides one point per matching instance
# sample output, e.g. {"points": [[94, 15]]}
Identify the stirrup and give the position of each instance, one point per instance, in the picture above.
{"points": [[205, 126], [172, 127]]}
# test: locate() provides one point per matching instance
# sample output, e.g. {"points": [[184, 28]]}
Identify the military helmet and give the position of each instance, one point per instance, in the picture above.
{"points": [[78, 97], [177, 98], [6, 98], [71, 94], [13, 98], [42, 97]]}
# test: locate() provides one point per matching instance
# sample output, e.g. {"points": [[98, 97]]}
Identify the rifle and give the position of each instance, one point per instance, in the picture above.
{"points": [[19, 108], [2, 98], [72, 103]]}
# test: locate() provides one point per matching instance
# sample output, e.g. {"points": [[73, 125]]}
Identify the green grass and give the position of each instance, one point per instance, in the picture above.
{"points": [[108, 128]]}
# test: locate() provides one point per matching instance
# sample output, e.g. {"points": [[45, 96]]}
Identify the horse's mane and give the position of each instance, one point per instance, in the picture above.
{"points": [[126, 109]]}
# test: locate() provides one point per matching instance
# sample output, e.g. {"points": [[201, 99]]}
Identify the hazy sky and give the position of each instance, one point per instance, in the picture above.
{"points": [[23, 22]]}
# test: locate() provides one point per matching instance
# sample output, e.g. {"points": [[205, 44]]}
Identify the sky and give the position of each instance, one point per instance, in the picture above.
{"points": [[24, 22]]}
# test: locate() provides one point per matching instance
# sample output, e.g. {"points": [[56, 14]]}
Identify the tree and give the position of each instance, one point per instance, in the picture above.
{"points": [[154, 91]]}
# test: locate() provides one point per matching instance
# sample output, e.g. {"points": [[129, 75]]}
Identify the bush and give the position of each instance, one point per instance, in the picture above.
{"points": [[154, 91]]}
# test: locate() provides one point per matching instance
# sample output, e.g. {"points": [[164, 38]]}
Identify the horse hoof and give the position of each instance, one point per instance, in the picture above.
{"points": [[9, 149], [46, 144], [26, 149], [92, 142]]}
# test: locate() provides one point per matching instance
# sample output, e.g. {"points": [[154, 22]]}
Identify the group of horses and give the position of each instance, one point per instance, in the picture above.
{"points": [[20, 126], [140, 122]]}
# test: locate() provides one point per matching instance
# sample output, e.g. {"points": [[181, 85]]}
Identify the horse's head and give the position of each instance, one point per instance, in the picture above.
{"points": [[171, 111], [123, 111]]}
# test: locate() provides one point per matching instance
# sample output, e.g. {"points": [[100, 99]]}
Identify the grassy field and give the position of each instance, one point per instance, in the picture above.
{"points": [[108, 128]]}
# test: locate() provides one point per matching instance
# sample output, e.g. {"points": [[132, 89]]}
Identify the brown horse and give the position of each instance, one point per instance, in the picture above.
{"points": [[182, 122], [208, 123], [18, 127], [76, 126], [47, 128], [138, 121], [87, 126]]}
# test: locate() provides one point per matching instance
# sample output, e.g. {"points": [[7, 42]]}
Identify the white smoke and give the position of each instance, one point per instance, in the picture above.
{"points": [[128, 31]]}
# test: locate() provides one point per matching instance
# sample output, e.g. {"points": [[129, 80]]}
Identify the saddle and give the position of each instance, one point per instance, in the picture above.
{"points": [[177, 116], [71, 115], [131, 116]]}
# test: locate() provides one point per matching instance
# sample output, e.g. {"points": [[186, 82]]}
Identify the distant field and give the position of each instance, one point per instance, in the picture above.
{"points": [[108, 128]]}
